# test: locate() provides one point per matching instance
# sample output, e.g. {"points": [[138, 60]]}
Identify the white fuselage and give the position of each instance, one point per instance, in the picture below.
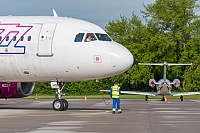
{"points": [[48, 51], [163, 87]]}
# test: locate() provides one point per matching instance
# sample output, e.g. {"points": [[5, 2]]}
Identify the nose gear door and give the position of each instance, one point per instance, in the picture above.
{"points": [[46, 40]]}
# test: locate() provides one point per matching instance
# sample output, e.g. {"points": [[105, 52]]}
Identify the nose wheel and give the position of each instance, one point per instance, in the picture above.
{"points": [[59, 104], [146, 98], [65, 104], [181, 97]]}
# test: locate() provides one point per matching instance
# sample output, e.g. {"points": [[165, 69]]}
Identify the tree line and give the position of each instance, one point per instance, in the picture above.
{"points": [[169, 31]]}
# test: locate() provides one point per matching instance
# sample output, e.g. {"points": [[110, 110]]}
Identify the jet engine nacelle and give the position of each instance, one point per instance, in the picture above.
{"points": [[152, 83], [176, 82], [16, 90]]}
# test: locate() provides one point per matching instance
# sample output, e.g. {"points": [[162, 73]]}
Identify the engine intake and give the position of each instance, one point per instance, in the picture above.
{"points": [[176, 82], [152, 83]]}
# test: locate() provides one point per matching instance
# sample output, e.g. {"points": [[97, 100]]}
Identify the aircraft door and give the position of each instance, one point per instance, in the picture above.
{"points": [[46, 39]]}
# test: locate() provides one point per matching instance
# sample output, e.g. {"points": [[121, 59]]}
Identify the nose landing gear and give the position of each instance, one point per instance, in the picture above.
{"points": [[59, 104], [146, 98], [181, 97]]}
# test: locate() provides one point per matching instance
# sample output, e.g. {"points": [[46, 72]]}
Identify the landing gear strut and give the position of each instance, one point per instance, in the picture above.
{"points": [[59, 104], [181, 97], [146, 98], [163, 99]]}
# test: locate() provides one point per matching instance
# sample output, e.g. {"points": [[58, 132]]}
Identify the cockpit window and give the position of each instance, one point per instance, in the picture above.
{"points": [[103, 37], [79, 37], [90, 37]]}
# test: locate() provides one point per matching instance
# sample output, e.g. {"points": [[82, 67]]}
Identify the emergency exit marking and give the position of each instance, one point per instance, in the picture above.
{"points": [[97, 59], [5, 85]]}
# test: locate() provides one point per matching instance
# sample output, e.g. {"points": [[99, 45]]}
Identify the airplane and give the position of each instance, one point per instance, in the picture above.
{"points": [[163, 86], [56, 50]]}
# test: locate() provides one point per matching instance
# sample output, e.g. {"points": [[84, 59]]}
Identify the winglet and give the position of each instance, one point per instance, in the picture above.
{"points": [[55, 14]]}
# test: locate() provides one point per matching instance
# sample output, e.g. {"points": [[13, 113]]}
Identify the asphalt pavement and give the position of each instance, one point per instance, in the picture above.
{"points": [[94, 116]]}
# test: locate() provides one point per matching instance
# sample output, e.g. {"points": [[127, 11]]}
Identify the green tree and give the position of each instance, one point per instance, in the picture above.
{"points": [[167, 35], [42, 88], [171, 32], [133, 35], [173, 22]]}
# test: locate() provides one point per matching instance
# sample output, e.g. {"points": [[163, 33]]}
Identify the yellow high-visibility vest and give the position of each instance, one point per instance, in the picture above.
{"points": [[115, 91]]}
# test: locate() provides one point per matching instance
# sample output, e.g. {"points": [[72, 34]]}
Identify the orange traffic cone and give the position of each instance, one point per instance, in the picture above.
{"points": [[165, 98], [85, 99]]}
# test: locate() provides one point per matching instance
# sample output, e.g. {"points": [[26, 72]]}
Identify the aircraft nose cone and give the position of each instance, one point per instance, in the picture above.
{"points": [[122, 59]]}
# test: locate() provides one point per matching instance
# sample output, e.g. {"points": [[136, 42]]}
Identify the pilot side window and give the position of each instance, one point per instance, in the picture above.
{"points": [[79, 37], [90, 37], [103, 37]]}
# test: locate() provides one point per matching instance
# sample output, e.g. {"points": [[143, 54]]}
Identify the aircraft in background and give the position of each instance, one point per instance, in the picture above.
{"points": [[163, 86], [57, 50]]}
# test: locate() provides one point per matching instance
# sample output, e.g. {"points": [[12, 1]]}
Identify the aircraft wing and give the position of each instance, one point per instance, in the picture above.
{"points": [[104, 90], [184, 93], [179, 64], [165, 63], [139, 93], [134, 92], [151, 64]]}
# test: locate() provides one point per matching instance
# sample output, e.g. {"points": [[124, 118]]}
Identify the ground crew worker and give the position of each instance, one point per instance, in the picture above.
{"points": [[115, 95]]}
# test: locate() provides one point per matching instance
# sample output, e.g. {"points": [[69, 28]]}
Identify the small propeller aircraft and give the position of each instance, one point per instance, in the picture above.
{"points": [[163, 86]]}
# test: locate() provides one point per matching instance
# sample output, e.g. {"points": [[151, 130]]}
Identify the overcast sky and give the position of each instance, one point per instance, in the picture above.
{"points": [[95, 11]]}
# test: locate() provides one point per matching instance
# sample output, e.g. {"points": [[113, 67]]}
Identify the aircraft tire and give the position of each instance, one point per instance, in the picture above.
{"points": [[163, 99], [181, 97], [146, 98], [65, 104], [58, 105]]}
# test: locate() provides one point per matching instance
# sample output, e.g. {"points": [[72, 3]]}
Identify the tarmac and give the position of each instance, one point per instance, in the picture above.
{"points": [[94, 116]]}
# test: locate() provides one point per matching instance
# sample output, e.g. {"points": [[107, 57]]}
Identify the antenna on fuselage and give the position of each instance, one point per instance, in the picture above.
{"points": [[55, 14]]}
